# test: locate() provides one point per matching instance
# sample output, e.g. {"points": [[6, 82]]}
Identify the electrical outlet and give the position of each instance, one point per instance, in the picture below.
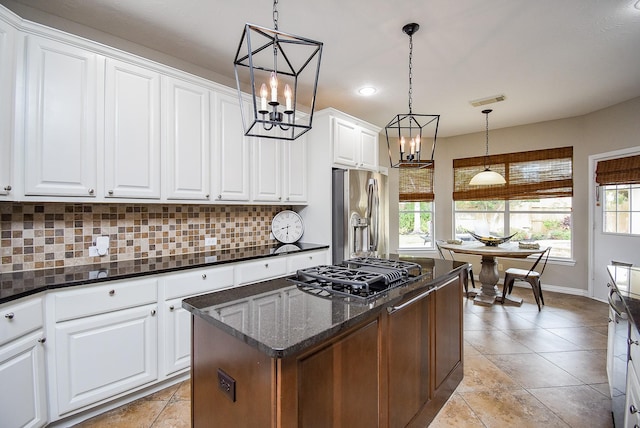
{"points": [[227, 385], [210, 242]]}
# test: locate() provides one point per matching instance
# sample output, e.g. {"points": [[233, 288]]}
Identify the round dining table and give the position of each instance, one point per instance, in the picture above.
{"points": [[489, 276]]}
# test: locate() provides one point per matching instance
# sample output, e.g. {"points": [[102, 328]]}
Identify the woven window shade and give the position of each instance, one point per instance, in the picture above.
{"points": [[416, 184], [619, 171], [546, 173]]}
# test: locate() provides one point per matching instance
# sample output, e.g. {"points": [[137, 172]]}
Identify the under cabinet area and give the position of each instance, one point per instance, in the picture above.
{"points": [[23, 396]]}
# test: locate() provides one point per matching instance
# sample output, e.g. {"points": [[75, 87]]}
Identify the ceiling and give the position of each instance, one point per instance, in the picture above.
{"points": [[551, 59]]}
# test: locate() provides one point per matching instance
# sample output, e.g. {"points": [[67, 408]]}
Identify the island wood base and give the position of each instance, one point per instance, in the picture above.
{"points": [[395, 369]]}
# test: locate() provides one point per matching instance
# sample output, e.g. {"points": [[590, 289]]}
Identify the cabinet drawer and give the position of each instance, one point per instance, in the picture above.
{"points": [[17, 319], [261, 270], [104, 298], [305, 260], [198, 282]]}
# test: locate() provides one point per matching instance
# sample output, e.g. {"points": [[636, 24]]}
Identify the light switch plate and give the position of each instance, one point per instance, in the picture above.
{"points": [[93, 251]]}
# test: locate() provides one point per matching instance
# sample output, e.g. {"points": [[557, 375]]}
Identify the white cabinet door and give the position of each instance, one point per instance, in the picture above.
{"points": [[267, 170], [177, 334], [23, 400], [60, 129], [100, 356], [346, 142], [231, 156], [132, 131], [369, 150], [187, 138], [295, 170], [7, 78]]}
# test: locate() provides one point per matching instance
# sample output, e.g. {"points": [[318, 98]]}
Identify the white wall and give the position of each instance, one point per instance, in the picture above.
{"points": [[616, 127]]}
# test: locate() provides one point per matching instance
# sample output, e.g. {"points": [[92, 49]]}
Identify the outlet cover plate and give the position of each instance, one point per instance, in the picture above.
{"points": [[227, 385], [209, 242]]}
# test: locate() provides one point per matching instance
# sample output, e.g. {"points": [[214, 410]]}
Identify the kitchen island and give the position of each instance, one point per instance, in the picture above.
{"points": [[274, 354]]}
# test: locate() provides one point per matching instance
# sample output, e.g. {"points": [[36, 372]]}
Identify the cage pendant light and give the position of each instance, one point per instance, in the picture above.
{"points": [[487, 177], [282, 71], [406, 132]]}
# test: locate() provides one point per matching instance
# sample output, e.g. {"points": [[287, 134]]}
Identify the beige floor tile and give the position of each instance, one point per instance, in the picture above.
{"points": [[506, 320], [164, 394], [550, 319], [177, 414], [511, 408], [584, 337], [588, 366], [533, 371], [469, 350], [540, 340], [184, 392], [138, 414], [480, 374], [456, 413], [577, 405], [494, 342]]}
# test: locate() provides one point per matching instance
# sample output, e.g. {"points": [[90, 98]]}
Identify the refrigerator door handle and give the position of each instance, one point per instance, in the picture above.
{"points": [[373, 208]]}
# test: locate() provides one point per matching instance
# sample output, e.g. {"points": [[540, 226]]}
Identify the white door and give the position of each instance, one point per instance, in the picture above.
{"points": [[132, 131], [607, 246], [60, 129], [177, 337], [188, 138], [295, 170], [231, 156], [368, 150], [7, 78], [23, 400], [346, 143], [100, 356], [267, 170]]}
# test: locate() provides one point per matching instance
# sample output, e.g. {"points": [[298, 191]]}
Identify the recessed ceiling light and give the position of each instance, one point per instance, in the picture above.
{"points": [[367, 91]]}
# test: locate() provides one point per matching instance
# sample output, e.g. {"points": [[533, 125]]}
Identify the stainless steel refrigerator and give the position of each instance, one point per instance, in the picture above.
{"points": [[359, 214]]}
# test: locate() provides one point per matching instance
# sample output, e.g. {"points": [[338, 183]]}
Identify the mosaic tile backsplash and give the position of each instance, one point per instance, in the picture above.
{"points": [[45, 235]]}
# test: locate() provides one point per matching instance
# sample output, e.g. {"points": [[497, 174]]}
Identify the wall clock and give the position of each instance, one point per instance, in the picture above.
{"points": [[287, 226]]}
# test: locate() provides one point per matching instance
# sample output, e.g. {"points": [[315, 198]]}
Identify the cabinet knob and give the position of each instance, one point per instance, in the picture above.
{"points": [[9, 316], [287, 198], [633, 342], [153, 312], [110, 192], [279, 198], [7, 188], [91, 191], [171, 308], [206, 196], [219, 196], [112, 292], [42, 340], [632, 409], [266, 265]]}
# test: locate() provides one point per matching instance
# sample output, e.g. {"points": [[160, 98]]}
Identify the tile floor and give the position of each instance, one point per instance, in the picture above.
{"points": [[523, 368]]}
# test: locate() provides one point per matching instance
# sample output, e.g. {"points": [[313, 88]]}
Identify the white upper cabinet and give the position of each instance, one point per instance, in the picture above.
{"points": [[60, 127], [187, 139], [295, 170], [132, 131], [231, 150], [267, 169], [7, 77], [355, 143]]}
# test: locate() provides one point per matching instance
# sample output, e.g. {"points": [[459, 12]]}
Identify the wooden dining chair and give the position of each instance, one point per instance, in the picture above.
{"points": [[531, 276], [469, 269]]}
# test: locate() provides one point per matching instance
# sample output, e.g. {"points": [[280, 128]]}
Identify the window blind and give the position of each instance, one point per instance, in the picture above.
{"points": [[416, 184], [619, 171], [546, 173]]}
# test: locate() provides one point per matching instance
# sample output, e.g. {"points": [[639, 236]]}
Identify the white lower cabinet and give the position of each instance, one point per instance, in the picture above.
{"points": [[632, 415], [306, 259], [175, 348], [104, 355], [23, 394]]}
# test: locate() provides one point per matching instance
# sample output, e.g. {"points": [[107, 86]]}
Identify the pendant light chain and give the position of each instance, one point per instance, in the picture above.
{"points": [[410, 72], [275, 15], [275, 27]]}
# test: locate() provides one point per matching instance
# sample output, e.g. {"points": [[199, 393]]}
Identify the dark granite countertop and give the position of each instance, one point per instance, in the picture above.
{"points": [[627, 282], [21, 284], [298, 319]]}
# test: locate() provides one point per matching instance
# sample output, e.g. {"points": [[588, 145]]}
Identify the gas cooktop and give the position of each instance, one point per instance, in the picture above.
{"points": [[363, 278]]}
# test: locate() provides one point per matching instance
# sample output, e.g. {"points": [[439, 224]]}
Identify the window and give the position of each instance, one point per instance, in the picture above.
{"points": [[547, 221], [534, 204], [415, 225], [416, 206], [621, 209], [619, 181]]}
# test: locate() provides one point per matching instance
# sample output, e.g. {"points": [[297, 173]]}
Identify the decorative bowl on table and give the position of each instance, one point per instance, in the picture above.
{"points": [[492, 241]]}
